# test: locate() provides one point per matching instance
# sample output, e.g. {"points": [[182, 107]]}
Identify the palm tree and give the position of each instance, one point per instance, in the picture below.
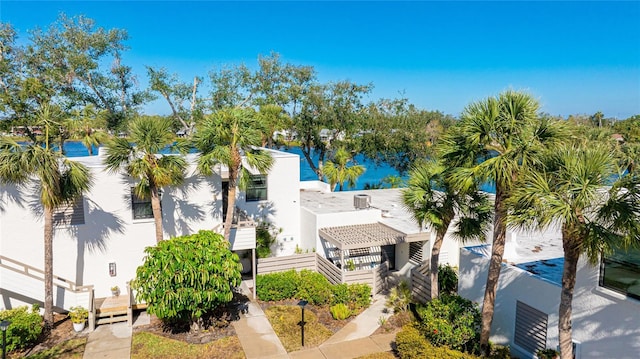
{"points": [[58, 181], [231, 137], [83, 126], [337, 171], [432, 199], [571, 192], [138, 156], [495, 141]]}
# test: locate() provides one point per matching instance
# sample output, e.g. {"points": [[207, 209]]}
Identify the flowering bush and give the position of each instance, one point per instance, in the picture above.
{"points": [[452, 321]]}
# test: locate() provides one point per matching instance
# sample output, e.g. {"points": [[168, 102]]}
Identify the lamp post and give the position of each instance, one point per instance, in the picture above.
{"points": [[3, 326], [302, 304]]}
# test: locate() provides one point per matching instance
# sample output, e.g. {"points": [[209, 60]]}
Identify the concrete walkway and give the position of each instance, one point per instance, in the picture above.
{"points": [[259, 341], [111, 341], [355, 339]]}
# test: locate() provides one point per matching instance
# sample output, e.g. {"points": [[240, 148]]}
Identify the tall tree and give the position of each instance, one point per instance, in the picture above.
{"points": [[433, 200], [69, 58], [571, 192], [274, 119], [58, 182], [231, 137], [495, 141], [182, 98], [139, 157], [337, 170], [87, 124]]}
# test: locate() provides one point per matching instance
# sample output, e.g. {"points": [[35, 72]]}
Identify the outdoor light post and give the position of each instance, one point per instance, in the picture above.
{"points": [[3, 326], [302, 304]]}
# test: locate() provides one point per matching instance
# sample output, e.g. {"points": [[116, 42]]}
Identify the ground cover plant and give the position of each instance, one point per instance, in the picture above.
{"points": [[285, 321], [147, 345], [69, 349]]}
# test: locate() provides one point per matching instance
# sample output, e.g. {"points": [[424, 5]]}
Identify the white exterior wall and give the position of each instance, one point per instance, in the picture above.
{"points": [[605, 323], [282, 207], [82, 253]]}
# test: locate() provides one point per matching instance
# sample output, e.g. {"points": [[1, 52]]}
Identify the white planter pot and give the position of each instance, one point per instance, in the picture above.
{"points": [[78, 327]]}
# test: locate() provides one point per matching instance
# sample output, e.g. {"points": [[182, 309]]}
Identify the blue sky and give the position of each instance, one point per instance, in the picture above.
{"points": [[575, 57]]}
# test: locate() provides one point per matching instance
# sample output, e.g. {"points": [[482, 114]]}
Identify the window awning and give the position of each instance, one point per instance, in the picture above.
{"points": [[364, 235]]}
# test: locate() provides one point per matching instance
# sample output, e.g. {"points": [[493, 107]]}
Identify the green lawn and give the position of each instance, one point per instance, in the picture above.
{"points": [[151, 346]]}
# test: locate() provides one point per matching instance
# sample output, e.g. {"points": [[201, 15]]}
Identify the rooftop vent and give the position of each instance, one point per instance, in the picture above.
{"points": [[361, 201]]}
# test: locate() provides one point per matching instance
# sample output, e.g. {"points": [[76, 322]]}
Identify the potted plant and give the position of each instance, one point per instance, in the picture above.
{"points": [[115, 291], [78, 317]]}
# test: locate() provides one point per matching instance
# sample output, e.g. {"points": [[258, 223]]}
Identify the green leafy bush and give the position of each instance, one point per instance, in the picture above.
{"points": [[340, 311], [185, 277], [411, 344], [314, 287], [277, 286], [447, 279], [547, 354], [360, 295], [25, 328], [340, 294], [266, 234], [452, 321]]}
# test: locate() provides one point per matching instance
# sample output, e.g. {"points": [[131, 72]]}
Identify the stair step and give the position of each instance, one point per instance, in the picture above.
{"points": [[111, 313], [110, 320]]}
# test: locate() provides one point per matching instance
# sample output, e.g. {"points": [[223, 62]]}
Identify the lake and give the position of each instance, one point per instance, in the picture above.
{"points": [[373, 175]]}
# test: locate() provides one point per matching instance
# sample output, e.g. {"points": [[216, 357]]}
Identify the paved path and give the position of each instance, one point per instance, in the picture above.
{"points": [[111, 341], [363, 325]]}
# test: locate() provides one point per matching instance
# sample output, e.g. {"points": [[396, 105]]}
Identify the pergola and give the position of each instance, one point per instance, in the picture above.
{"points": [[364, 236]]}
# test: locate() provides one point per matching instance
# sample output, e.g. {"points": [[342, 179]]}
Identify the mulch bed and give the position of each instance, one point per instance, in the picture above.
{"points": [[321, 311], [395, 322], [61, 331]]}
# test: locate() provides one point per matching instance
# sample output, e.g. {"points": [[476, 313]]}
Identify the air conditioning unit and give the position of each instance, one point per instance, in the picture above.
{"points": [[361, 201]]}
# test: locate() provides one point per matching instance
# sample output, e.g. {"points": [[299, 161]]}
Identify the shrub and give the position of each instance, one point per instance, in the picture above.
{"points": [[499, 351], [314, 287], [411, 344], [547, 354], [266, 234], [399, 297], [360, 295], [185, 277], [447, 279], [452, 321], [25, 328], [340, 293], [277, 286], [340, 311]]}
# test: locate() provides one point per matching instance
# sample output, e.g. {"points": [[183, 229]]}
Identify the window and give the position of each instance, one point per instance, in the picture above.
{"points": [[531, 328], [415, 252], [257, 189], [140, 208], [620, 271], [70, 214]]}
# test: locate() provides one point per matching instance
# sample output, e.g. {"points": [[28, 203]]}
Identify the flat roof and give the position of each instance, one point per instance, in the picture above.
{"points": [[388, 201]]}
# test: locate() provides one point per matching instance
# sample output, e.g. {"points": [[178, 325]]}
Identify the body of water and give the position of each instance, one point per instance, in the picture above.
{"points": [[373, 175]]}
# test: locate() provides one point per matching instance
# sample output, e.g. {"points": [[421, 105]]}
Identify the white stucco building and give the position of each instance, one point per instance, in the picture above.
{"points": [[606, 309], [100, 241]]}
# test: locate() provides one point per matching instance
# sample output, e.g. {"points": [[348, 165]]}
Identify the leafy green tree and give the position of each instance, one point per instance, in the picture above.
{"points": [[495, 141], [230, 137], [178, 95], [139, 157], [69, 57], [571, 192], [338, 172], [274, 118], [57, 180], [184, 278], [432, 199]]}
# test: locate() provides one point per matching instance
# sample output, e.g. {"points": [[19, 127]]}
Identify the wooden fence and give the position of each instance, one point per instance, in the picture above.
{"points": [[281, 264], [375, 277], [421, 284]]}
